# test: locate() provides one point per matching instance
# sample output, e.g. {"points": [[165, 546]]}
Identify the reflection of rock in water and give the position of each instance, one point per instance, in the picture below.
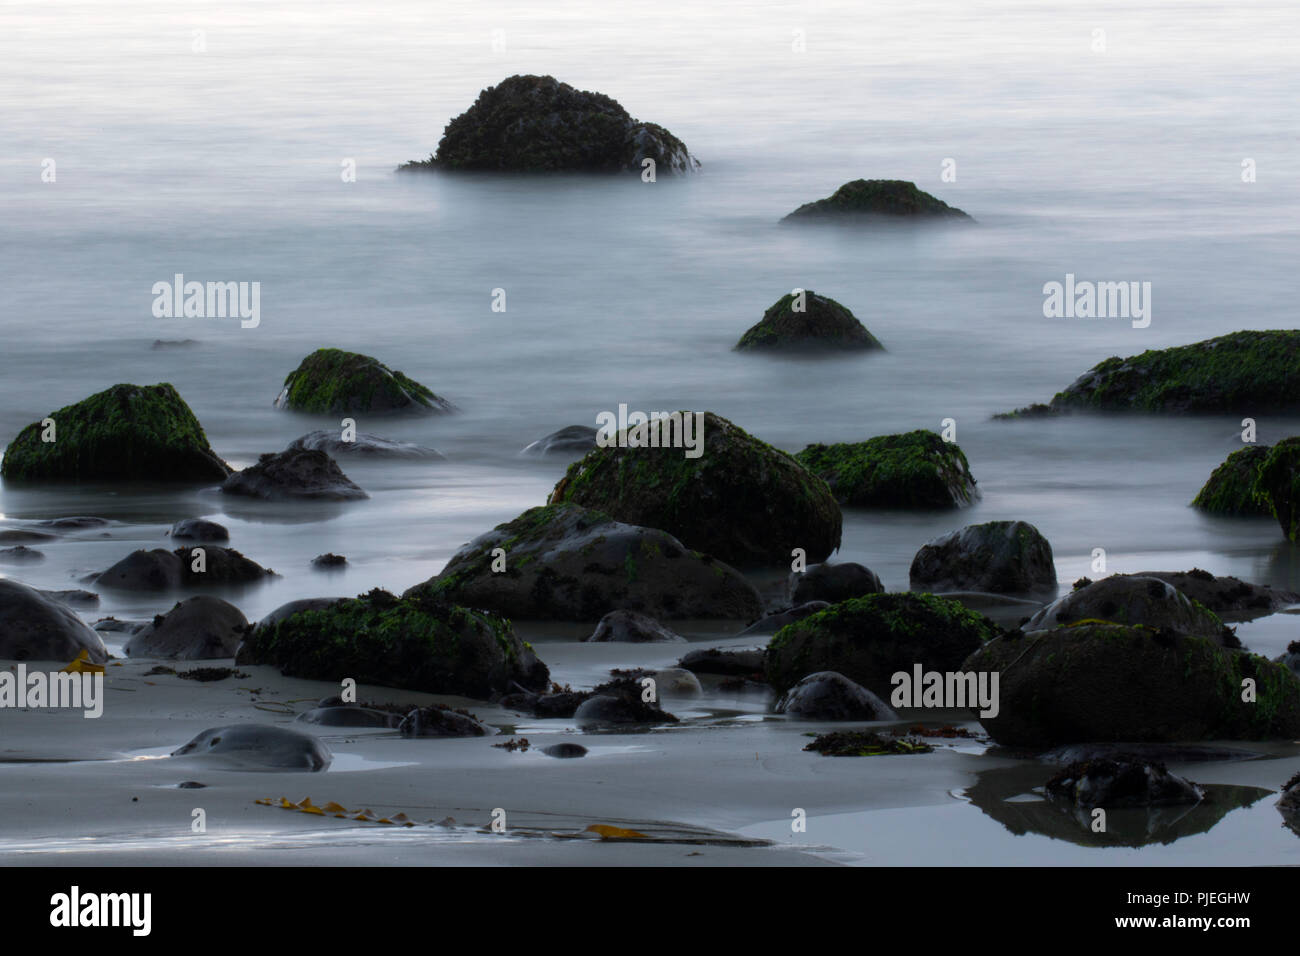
{"points": [[1002, 794], [1289, 805]]}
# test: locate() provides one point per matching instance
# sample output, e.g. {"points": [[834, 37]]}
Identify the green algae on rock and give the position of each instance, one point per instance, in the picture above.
{"points": [[332, 381], [917, 469], [1278, 485], [806, 321], [1230, 489], [877, 199], [124, 433], [417, 643], [537, 124], [869, 639], [741, 501]]}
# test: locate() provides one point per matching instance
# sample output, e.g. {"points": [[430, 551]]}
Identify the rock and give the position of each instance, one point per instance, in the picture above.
{"points": [[875, 200], [774, 622], [34, 628], [806, 321], [74, 597], [199, 529], [1005, 557], [351, 715], [537, 124], [294, 474], [557, 704], [1278, 485], [293, 607], [1240, 373], [833, 583], [364, 445], [78, 523], [1289, 804], [1111, 682], [569, 563], [676, 682], [1122, 782], [159, 344], [1130, 599], [160, 570], [571, 440], [111, 625], [259, 747], [742, 501], [827, 695], [629, 627], [1231, 598], [415, 643], [917, 469], [335, 382], [439, 721], [565, 751], [619, 702], [742, 663], [199, 628], [125, 433], [328, 562], [871, 638], [1290, 658], [21, 554], [24, 536], [1231, 487]]}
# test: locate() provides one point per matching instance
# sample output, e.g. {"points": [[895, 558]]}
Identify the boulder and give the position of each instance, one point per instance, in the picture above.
{"points": [[1005, 557], [827, 695], [21, 554], [258, 747], [199, 628], [571, 440], [329, 562], [537, 124], [364, 446], [779, 619], [1278, 485], [833, 583], [1231, 598], [35, 628], [870, 639], [629, 627], [335, 382], [74, 597], [564, 562], [729, 663], [1290, 658], [805, 321], [437, 720], [619, 702], [295, 473], [741, 500], [351, 715], [1122, 782], [1289, 803], [160, 570], [25, 536], [293, 607], [1130, 599], [565, 751], [1230, 489], [867, 200], [917, 469], [199, 529], [124, 433]]}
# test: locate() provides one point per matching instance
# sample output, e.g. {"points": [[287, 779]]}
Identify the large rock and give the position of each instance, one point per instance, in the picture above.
{"points": [[1004, 557], [827, 695], [741, 500], [1112, 682], [1230, 489], [563, 562], [1130, 599], [1231, 598], [335, 382], [538, 124], [1245, 373], [1278, 485], [833, 583], [1122, 782], [124, 433], [729, 663], [294, 473], [438, 720], [866, 200], [258, 747], [35, 628], [806, 321], [160, 570], [196, 629], [414, 643], [917, 469], [199, 529], [363, 445], [773, 622], [870, 639], [629, 627], [570, 440], [293, 607]]}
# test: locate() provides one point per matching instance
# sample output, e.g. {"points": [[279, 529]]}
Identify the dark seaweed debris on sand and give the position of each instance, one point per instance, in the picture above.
{"points": [[865, 743]]}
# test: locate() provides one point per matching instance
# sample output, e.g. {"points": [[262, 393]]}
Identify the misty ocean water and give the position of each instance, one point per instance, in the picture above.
{"points": [[224, 165]]}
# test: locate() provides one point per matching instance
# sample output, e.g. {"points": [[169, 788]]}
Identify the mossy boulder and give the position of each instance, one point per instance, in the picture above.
{"points": [[1130, 599], [741, 501], [536, 124], [335, 382], [1230, 489], [806, 321], [869, 639], [916, 469], [1002, 557], [1278, 485], [1096, 682], [569, 563], [867, 199], [1244, 372], [420, 643], [124, 433]]}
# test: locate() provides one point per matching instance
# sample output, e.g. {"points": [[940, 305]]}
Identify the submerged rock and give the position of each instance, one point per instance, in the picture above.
{"points": [[350, 715], [124, 433], [364, 445], [619, 702], [876, 199], [1005, 557], [1230, 489], [199, 529], [25, 536], [438, 720], [917, 469], [160, 570], [329, 562], [335, 382], [198, 628], [1122, 782], [565, 751], [294, 473], [259, 747], [779, 619], [21, 554], [563, 562], [828, 695], [833, 583], [538, 124], [741, 500], [1131, 599], [806, 321], [35, 628], [629, 627], [74, 597], [570, 440], [712, 660]]}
